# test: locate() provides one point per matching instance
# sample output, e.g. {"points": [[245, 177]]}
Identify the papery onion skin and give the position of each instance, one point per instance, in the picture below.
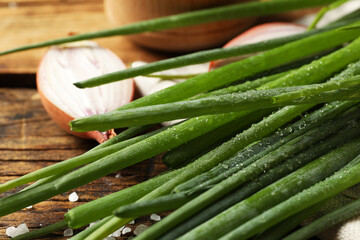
{"points": [[256, 34], [60, 117]]}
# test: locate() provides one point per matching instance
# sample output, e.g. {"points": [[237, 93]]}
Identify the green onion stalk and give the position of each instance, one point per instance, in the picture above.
{"points": [[341, 180], [209, 160], [274, 174], [247, 210], [345, 89], [174, 201], [237, 179], [298, 111], [276, 52], [267, 145], [213, 54], [289, 224], [335, 217], [232, 72]]}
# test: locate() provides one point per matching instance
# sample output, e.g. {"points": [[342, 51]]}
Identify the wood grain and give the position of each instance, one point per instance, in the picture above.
{"points": [[29, 140], [30, 21]]}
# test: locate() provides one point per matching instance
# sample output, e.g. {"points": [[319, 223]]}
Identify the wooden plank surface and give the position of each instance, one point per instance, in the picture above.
{"points": [[30, 21], [29, 140]]}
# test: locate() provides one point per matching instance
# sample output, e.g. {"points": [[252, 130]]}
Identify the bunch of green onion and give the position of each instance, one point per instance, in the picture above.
{"points": [[244, 161]]}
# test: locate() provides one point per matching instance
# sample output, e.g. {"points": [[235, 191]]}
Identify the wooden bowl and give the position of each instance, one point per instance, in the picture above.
{"points": [[122, 12]]}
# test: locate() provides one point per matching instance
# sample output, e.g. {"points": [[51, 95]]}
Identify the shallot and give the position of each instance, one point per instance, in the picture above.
{"points": [[257, 34], [66, 64]]}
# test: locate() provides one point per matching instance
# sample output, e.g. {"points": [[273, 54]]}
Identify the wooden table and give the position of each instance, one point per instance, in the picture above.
{"points": [[29, 140]]}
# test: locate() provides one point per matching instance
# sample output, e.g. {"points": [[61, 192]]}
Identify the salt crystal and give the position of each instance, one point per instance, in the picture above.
{"points": [[132, 222], [155, 217], [68, 232], [13, 231], [118, 175], [139, 229], [93, 223], [73, 197], [117, 233], [126, 230], [29, 207], [109, 238]]}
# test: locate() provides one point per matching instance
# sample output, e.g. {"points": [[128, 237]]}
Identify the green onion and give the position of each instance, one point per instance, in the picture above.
{"points": [[171, 76], [210, 55], [173, 201], [65, 166], [209, 160], [130, 155], [340, 181], [279, 191], [337, 216], [160, 204], [280, 230], [226, 186], [264, 180], [187, 19], [88, 231], [102, 207], [246, 67], [189, 151], [242, 87], [149, 147], [192, 150], [305, 75], [264, 147], [146, 148], [269, 98]]}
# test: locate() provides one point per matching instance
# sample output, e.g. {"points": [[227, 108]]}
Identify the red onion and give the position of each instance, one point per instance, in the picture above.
{"points": [[259, 33], [64, 65]]}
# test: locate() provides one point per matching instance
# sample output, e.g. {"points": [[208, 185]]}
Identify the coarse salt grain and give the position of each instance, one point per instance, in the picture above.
{"points": [[10, 231], [73, 197], [155, 217], [68, 232], [13, 231], [117, 233], [139, 229], [126, 230], [93, 223], [118, 175], [132, 222], [29, 207]]}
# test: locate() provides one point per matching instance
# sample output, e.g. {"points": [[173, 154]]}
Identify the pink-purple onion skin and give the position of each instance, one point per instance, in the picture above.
{"points": [[64, 65], [259, 33]]}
